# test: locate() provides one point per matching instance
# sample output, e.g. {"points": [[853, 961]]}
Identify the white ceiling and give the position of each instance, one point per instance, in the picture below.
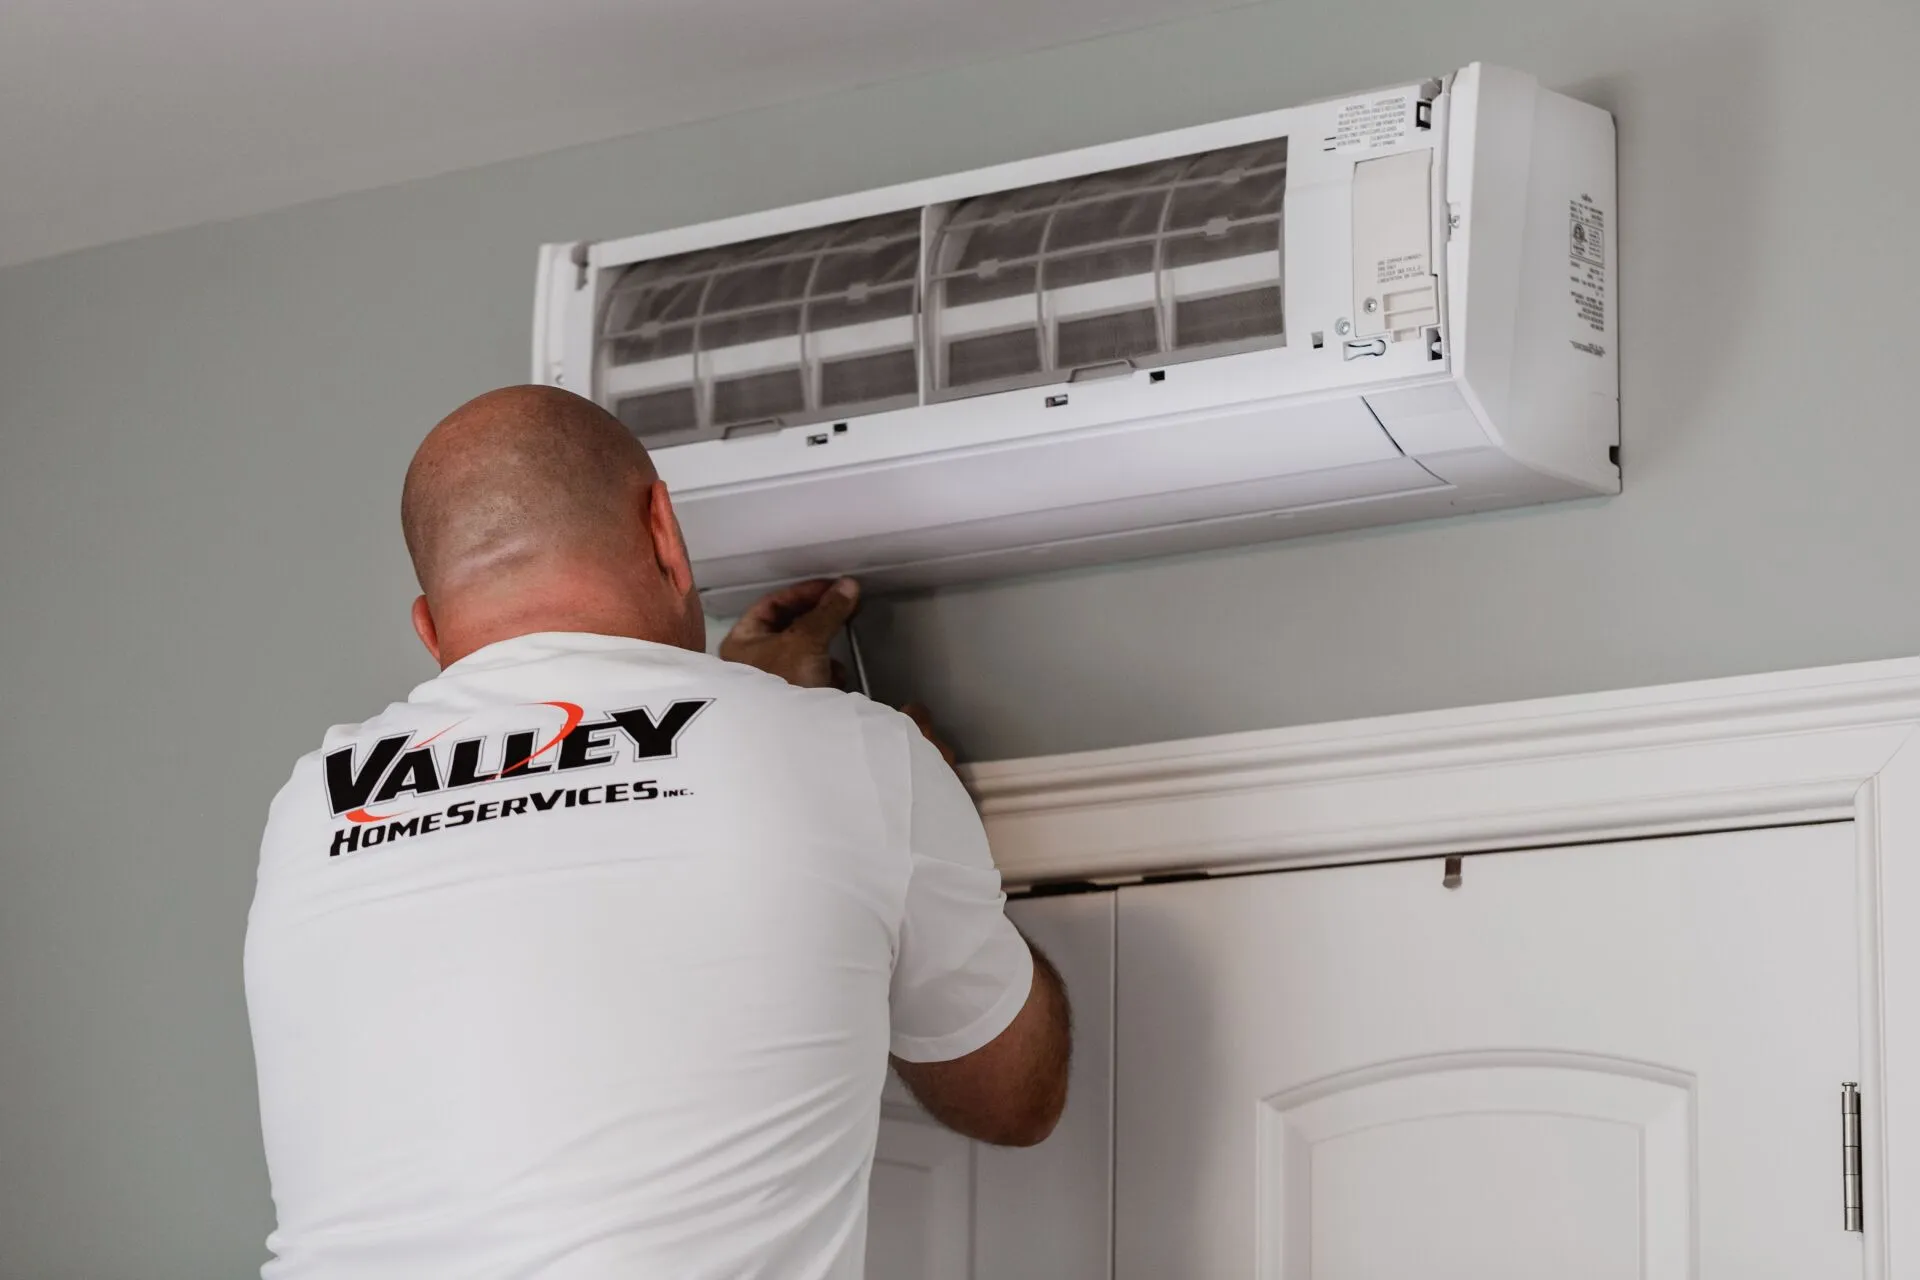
{"points": [[124, 117]]}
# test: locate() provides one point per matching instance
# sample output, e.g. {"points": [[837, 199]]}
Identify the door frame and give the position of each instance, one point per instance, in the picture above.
{"points": [[1825, 745]]}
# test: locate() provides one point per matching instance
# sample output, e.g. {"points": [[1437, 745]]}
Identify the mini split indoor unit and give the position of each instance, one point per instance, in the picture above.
{"points": [[1369, 310]]}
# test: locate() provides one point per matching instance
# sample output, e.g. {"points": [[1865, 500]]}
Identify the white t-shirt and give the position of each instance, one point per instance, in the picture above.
{"points": [[585, 961]]}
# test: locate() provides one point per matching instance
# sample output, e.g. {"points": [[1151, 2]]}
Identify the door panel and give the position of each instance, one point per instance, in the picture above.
{"points": [[1044, 1213], [1618, 1061], [921, 1197]]}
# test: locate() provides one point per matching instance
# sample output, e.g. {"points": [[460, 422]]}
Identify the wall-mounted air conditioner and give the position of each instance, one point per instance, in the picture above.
{"points": [[1375, 309]]}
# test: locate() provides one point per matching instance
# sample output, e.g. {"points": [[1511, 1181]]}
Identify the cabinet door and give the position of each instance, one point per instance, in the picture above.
{"points": [[942, 1208], [1604, 1062]]}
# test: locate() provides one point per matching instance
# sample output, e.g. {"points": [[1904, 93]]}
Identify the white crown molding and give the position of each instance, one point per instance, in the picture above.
{"points": [[1748, 751], [1834, 744]]}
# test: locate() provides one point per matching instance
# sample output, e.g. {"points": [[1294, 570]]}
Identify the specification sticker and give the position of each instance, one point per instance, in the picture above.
{"points": [[1372, 125], [1587, 240], [1587, 263]]}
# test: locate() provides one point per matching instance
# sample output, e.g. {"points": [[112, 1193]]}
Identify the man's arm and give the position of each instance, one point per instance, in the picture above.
{"points": [[1011, 1090]]}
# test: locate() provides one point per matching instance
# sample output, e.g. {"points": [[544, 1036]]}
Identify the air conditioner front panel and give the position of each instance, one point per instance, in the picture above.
{"points": [[1496, 483], [1145, 457], [939, 551], [1218, 385]]}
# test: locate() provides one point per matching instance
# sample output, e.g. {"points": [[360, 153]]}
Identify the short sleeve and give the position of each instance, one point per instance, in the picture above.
{"points": [[962, 971]]}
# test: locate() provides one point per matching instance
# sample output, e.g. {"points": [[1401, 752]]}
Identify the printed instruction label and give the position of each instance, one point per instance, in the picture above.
{"points": [[1373, 124], [1408, 266], [1587, 263]]}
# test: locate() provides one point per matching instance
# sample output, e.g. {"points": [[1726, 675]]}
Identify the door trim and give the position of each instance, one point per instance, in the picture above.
{"points": [[1824, 745]]}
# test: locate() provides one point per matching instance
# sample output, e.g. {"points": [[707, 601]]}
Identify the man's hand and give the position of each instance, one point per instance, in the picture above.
{"points": [[787, 633]]}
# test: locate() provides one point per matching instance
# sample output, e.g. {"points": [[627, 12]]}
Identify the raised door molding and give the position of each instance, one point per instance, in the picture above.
{"points": [[1833, 744], [1639, 1115]]}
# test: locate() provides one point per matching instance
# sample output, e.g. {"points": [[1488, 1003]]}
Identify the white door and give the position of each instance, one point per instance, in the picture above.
{"points": [[942, 1208], [1592, 1063]]}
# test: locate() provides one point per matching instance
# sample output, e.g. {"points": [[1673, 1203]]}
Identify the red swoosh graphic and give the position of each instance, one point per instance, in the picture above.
{"points": [[361, 815], [443, 733], [574, 713]]}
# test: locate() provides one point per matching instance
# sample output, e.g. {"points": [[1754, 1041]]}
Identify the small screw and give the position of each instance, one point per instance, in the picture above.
{"points": [[1343, 327], [1453, 222], [1370, 306]]}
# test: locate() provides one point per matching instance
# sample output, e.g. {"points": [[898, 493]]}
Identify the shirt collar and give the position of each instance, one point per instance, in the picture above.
{"points": [[540, 645]]}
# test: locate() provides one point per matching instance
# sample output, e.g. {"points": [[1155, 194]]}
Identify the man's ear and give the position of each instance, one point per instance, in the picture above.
{"points": [[669, 547], [424, 628]]}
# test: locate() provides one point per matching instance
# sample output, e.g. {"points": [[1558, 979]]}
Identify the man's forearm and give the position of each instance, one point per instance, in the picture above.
{"points": [[1012, 1090]]}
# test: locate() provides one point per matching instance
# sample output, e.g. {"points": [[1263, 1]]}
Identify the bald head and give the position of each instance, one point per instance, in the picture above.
{"points": [[535, 509], [518, 475]]}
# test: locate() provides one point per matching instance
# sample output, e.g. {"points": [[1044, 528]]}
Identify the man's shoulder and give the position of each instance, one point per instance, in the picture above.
{"points": [[309, 766], [739, 678]]}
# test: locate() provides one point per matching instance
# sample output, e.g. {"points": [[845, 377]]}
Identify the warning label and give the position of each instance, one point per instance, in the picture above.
{"points": [[1372, 125], [1587, 261]]}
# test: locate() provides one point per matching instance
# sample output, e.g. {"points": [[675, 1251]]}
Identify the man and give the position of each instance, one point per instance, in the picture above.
{"points": [[586, 961]]}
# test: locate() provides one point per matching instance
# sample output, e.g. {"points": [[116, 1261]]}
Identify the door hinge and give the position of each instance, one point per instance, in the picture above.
{"points": [[1850, 1156]]}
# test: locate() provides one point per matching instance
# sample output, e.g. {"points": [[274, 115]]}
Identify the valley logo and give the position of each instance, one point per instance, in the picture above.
{"points": [[396, 770]]}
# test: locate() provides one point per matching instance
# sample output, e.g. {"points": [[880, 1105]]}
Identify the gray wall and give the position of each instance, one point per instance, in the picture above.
{"points": [[202, 438]]}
